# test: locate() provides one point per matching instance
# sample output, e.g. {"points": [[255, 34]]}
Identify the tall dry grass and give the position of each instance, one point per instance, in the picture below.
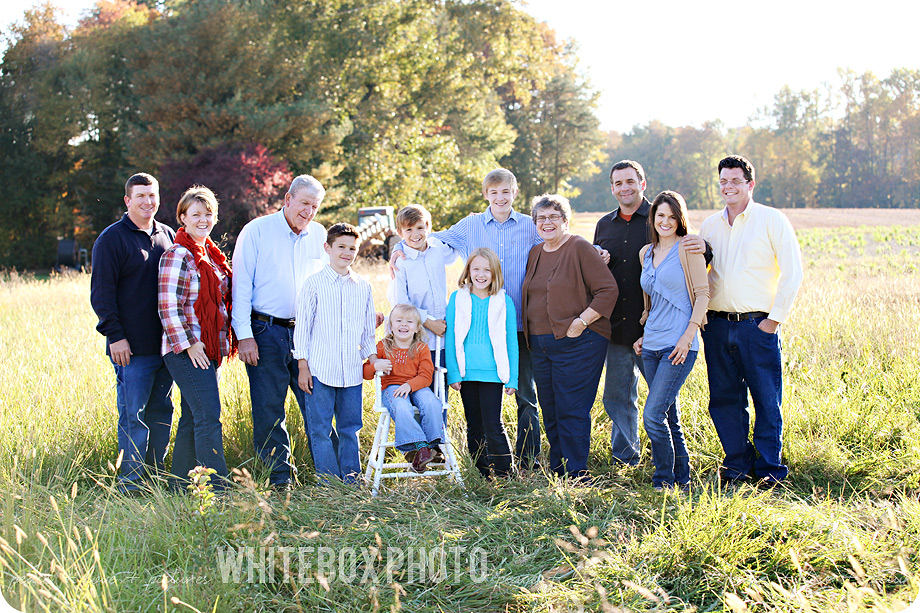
{"points": [[841, 535]]}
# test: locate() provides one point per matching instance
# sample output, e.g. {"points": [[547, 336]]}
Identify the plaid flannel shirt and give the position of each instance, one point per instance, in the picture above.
{"points": [[176, 295]]}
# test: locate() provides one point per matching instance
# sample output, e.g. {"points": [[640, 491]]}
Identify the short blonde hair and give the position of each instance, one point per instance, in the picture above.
{"points": [[498, 280], [389, 340], [196, 193], [499, 176], [411, 214]]}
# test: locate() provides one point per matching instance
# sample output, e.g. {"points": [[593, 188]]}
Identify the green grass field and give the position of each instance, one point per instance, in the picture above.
{"points": [[841, 535]]}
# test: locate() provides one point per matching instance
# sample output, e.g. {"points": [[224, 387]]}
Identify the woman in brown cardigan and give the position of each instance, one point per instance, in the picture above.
{"points": [[566, 289]]}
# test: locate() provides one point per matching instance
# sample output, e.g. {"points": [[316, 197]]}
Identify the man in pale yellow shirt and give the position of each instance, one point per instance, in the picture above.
{"points": [[756, 273]]}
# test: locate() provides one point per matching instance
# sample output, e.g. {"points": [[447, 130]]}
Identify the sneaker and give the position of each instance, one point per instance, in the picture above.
{"points": [[282, 487], [422, 458]]}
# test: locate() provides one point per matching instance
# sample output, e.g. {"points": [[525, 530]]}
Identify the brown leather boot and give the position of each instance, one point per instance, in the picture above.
{"points": [[422, 458]]}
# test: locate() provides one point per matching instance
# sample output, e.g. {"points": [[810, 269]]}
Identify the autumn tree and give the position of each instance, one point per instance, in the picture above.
{"points": [[36, 121], [558, 136], [247, 180]]}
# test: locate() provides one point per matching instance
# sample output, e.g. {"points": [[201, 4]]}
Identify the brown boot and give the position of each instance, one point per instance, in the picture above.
{"points": [[422, 458]]}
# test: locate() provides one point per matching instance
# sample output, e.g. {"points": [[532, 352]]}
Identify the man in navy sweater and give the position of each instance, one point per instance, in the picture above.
{"points": [[123, 292]]}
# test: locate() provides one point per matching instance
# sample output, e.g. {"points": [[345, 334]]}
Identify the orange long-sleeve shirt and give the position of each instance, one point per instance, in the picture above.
{"points": [[416, 370]]}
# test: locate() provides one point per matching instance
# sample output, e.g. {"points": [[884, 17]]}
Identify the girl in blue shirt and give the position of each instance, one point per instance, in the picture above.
{"points": [[676, 297], [482, 358]]}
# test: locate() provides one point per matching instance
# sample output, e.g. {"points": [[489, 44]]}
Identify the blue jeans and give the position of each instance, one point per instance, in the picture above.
{"points": [[486, 438], [340, 460], [142, 390], [662, 416], [199, 438], [740, 358], [408, 430], [527, 445], [269, 382], [567, 371], [621, 402]]}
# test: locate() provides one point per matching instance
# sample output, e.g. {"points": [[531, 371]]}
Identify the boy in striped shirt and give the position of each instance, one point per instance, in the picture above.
{"points": [[333, 335]]}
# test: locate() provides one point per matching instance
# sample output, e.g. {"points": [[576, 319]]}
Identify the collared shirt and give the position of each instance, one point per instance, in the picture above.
{"points": [[179, 284], [757, 263], [123, 287], [335, 326], [270, 264], [511, 240], [623, 240], [421, 280]]}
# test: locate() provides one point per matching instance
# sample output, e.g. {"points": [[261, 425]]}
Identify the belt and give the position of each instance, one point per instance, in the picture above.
{"points": [[738, 316], [287, 323]]}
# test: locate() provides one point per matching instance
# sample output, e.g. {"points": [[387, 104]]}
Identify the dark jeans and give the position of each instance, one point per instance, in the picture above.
{"points": [[199, 438], [486, 438], [142, 390], [269, 382], [662, 416], [567, 372], [741, 357], [527, 445], [621, 402]]}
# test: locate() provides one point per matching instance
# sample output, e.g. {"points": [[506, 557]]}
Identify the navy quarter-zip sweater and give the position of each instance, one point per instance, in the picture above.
{"points": [[123, 288]]}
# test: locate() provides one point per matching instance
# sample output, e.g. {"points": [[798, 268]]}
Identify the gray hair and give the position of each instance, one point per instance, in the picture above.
{"points": [[551, 201], [306, 182]]}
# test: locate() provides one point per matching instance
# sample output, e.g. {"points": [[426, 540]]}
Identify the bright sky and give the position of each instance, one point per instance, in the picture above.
{"points": [[661, 59], [666, 59]]}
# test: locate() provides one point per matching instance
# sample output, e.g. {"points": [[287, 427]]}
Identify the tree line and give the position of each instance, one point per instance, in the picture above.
{"points": [[388, 102], [854, 145]]}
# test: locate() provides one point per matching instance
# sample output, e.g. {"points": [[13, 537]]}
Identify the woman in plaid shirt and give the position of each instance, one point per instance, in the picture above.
{"points": [[194, 306]]}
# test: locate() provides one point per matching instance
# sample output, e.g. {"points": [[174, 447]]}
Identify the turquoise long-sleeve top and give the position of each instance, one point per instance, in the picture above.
{"points": [[477, 346]]}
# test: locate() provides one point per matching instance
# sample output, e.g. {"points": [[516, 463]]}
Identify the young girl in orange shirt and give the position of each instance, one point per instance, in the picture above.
{"points": [[407, 373]]}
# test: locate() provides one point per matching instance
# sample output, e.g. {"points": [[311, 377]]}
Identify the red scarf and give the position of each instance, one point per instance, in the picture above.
{"points": [[207, 307]]}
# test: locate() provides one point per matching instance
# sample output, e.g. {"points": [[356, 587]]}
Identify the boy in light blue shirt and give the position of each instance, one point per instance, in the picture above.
{"points": [[421, 277]]}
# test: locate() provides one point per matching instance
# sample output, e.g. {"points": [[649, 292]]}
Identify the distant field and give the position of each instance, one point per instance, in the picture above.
{"points": [[802, 219]]}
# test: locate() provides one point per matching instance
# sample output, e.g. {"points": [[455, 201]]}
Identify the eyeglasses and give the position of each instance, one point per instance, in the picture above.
{"points": [[542, 219], [733, 182]]}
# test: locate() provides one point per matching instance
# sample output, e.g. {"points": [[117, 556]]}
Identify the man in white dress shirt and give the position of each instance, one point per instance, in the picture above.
{"points": [[756, 273], [274, 255]]}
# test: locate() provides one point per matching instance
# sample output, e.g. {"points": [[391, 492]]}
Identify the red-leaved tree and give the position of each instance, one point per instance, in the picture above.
{"points": [[247, 179]]}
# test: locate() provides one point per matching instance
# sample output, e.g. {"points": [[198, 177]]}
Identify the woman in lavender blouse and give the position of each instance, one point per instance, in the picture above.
{"points": [[676, 293]]}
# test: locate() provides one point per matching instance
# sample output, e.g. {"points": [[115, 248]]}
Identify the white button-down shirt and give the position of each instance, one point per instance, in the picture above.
{"points": [[335, 327], [756, 264], [270, 264], [421, 280]]}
